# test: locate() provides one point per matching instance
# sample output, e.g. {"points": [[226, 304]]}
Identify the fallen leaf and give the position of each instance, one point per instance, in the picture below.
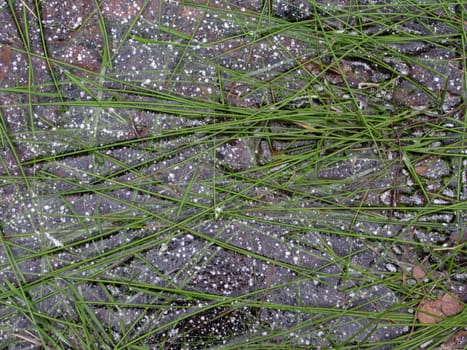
{"points": [[430, 311], [418, 272], [81, 56], [421, 170], [434, 311], [118, 10], [457, 342], [313, 68], [5, 60], [451, 305]]}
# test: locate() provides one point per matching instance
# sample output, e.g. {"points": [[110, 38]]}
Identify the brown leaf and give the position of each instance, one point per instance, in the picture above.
{"points": [[433, 311], [421, 170], [457, 342], [118, 9], [451, 305], [334, 76], [5, 60], [312, 68], [83, 57], [418, 272], [430, 311]]}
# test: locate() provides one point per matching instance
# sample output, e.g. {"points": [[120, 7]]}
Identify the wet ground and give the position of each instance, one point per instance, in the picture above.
{"points": [[195, 212]]}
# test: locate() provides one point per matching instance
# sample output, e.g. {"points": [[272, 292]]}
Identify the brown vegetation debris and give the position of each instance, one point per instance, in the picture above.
{"points": [[418, 272], [457, 341], [451, 305], [5, 60], [434, 311]]}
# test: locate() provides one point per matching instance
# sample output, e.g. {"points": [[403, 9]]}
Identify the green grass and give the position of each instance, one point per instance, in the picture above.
{"points": [[108, 174]]}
